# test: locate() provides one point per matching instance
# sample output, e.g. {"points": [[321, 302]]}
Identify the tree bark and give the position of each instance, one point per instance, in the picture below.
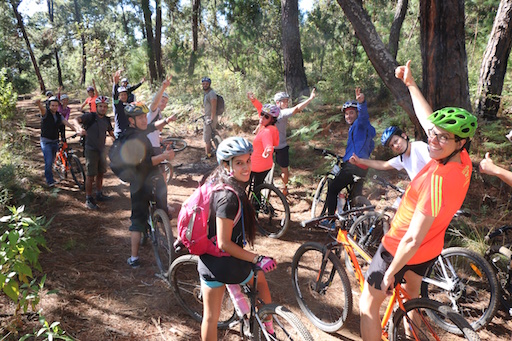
{"points": [[196, 4], [158, 39], [150, 41], [55, 51], [78, 19], [21, 26], [381, 59], [443, 52], [294, 74], [494, 63], [396, 26]]}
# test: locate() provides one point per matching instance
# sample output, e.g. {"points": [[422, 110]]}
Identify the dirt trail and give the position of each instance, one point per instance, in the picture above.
{"points": [[101, 298]]}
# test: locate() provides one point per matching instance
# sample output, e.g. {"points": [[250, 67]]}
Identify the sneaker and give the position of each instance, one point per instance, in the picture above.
{"points": [[102, 197], [328, 224], [133, 263], [90, 204], [52, 184], [206, 157]]}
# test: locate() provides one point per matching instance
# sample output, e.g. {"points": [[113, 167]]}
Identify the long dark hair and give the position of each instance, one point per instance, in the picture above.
{"points": [[220, 176]]}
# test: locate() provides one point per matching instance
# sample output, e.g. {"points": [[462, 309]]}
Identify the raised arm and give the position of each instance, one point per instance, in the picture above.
{"points": [[488, 167], [136, 86], [95, 89], [41, 107], [257, 104], [299, 107], [159, 94], [115, 80], [420, 104]]}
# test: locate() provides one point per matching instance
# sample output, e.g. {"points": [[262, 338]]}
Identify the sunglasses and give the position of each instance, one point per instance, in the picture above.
{"points": [[267, 116]]}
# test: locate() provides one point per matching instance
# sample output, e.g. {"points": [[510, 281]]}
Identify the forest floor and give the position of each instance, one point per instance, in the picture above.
{"points": [[101, 298]]}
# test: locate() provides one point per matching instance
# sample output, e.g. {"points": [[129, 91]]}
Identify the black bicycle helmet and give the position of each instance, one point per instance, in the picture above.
{"points": [[136, 109], [231, 147], [388, 133]]}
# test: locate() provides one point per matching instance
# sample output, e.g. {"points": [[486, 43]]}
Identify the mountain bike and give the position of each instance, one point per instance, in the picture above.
{"points": [[216, 138], [499, 254], [459, 278], [272, 209], [159, 233], [66, 161], [177, 144], [323, 291], [186, 286], [347, 197]]}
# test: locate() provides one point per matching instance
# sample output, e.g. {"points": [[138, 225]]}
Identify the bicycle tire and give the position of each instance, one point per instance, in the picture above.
{"points": [[424, 327], [475, 292], [328, 304], [77, 171], [168, 172], [216, 140], [368, 230], [59, 167], [287, 325], [163, 241], [319, 205], [176, 143], [186, 285], [272, 210]]}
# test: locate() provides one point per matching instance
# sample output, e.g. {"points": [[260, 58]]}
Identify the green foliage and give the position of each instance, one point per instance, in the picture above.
{"points": [[8, 98], [48, 331], [21, 238]]}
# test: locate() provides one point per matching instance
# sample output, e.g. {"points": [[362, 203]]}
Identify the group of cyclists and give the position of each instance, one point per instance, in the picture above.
{"points": [[440, 173]]}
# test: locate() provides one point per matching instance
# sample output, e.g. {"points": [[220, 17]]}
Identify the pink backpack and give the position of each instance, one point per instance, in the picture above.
{"points": [[193, 221]]}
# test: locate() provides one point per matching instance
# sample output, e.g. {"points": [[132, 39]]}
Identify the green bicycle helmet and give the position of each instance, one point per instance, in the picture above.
{"points": [[457, 121]]}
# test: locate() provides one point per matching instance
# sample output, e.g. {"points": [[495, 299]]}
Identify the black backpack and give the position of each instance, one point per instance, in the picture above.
{"points": [[220, 105], [118, 155]]}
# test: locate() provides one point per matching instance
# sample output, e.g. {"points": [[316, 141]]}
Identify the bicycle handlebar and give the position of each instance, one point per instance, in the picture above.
{"points": [[326, 152], [337, 216], [386, 183], [495, 233]]}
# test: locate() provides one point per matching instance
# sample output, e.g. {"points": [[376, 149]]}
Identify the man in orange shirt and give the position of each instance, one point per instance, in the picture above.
{"points": [[416, 236]]}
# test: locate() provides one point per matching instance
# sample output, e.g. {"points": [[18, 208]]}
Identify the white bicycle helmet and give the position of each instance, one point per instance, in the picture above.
{"points": [[231, 147], [280, 96]]}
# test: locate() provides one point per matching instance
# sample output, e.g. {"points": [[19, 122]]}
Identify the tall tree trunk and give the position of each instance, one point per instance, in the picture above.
{"points": [[494, 63], [125, 22], [21, 26], [443, 52], [396, 26], [196, 4], [158, 39], [78, 19], [294, 74], [150, 40], [55, 51], [381, 59]]}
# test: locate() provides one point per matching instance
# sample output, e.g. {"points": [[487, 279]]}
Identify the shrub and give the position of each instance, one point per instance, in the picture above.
{"points": [[8, 98]]}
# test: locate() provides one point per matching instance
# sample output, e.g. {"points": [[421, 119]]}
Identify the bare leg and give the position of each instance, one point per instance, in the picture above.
{"points": [[99, 182], [135, 242], [88, 185], [212, 301], [369, 307], [285, 173]]}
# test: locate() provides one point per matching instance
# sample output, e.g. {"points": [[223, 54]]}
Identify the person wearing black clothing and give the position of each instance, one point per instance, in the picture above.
{"points": [[147, 173], [131, 88], [97, 126], [120, 100], [51, 120]]}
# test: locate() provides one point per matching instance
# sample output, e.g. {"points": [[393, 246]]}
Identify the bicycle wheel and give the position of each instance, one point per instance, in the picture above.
{"points": [[319, 205], [473, 289], [272, 210], [186, 286], [322, 291], [216, 140], [60, 167], [423, 327], [163, 241], [168, 172], [77, 171], [287, 326], [368, 230], [175, 143]]}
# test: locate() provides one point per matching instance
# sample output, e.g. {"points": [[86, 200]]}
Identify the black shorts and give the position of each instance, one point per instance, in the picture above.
{"points": [[283, 157], [380, 263]]}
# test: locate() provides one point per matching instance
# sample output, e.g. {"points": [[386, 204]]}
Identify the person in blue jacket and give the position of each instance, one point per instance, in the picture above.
{"points": [[360, 142]]}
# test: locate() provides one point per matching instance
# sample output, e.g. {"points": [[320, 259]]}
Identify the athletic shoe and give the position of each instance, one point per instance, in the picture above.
{"points": [[90, 204], [133, 263], [328, 224], [102, 197]]}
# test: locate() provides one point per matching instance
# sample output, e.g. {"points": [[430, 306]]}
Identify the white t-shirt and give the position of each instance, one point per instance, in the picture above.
{"points": [[413, 163], [154, 136]]}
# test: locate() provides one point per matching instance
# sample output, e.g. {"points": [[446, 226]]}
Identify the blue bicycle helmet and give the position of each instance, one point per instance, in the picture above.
{"points": [[388, 133], [349, 104], [231, 147]]}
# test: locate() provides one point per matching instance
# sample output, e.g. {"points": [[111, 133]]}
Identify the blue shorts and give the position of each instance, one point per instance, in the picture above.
{"points": [[216, 284]]}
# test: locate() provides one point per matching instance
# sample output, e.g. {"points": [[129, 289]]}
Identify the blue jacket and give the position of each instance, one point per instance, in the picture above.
{"points": [[360, 135]]}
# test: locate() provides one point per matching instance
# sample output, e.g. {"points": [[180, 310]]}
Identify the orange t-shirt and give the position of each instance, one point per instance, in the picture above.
{"points": [[436, 191], [266, 137], [92, 103]]}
